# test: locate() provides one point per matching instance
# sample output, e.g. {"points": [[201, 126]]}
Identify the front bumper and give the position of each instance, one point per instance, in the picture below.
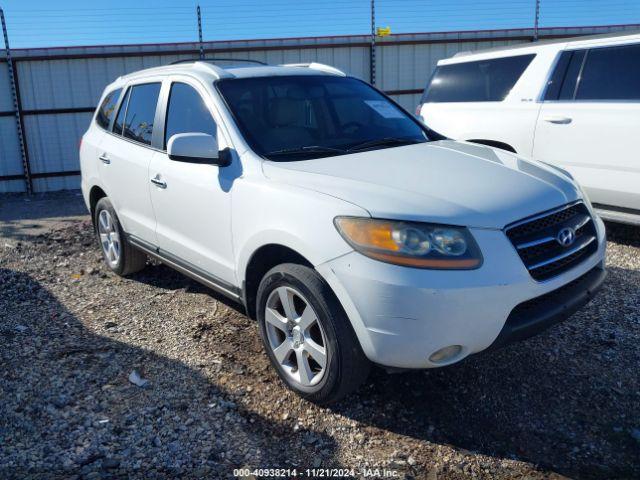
{"points": [[538, 314], [403, 315]]}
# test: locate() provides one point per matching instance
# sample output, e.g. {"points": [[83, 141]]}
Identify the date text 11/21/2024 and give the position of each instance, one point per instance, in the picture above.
{"points": [[315, 473]]}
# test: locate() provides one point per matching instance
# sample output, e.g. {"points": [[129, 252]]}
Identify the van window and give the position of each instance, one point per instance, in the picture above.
{"points": [[187, 113], [557, 77], [481, 81], [568, 89], [105, 111], [119, 123], [562, 85], [611, 73], [141, 112]]}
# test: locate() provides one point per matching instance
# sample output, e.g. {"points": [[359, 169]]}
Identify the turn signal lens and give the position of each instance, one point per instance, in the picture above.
{"points": [[411, 244]]}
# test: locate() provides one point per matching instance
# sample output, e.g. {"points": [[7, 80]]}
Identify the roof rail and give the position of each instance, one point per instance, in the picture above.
{"points": [[214, 59], [317, 66]]}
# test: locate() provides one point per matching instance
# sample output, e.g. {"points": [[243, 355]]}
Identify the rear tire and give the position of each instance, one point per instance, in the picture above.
{"points": [[119, 255], [310, 342]]}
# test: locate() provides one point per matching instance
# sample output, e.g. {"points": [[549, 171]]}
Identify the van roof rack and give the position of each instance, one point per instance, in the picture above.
{"points": [[216, 59]]}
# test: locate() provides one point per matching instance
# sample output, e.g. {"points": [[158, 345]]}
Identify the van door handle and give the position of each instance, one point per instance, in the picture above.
{"points": [[104, 159], [557, 119], [158, 182]]}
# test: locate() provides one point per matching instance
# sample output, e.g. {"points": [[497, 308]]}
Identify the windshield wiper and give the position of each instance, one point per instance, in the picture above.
{"points": [[306, 149], [381, 142]]}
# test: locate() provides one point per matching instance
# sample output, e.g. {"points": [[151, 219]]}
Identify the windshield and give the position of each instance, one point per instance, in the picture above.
{"points": [[306, 116]]}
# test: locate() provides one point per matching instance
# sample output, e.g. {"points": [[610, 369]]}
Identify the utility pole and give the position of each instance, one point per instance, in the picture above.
{"points": [[16, 107], [200, 33], [372, 58], [536, 21]]}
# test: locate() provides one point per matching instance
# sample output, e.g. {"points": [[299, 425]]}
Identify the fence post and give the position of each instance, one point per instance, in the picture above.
{"points": [[200, 33], [372, 58], [536, 21], [17, 108]]}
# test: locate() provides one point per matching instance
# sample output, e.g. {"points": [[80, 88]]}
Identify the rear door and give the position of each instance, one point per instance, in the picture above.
{"points": [[92, 139], [125, 155], [589, 122]]}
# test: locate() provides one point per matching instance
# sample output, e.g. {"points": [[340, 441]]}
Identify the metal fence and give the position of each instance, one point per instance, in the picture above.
{"points": [[57, 88]]}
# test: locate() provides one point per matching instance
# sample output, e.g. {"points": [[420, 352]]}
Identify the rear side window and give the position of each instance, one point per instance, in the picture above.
{"points": [[611, 73], [187, 113], [105, 111], [141, 112], [482, 81]]}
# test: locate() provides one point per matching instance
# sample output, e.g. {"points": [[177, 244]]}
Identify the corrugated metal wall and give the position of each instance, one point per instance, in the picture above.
{"points": [[59, 87]]}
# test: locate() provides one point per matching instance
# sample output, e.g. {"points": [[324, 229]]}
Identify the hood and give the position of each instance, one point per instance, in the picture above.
{"points": [[446, 182]]}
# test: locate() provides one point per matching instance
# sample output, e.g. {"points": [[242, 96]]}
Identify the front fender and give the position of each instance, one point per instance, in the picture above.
{"points": [[276, 213]]}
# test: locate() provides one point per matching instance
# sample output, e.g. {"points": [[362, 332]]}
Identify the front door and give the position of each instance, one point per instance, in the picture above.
{"points": [[192, 200]]}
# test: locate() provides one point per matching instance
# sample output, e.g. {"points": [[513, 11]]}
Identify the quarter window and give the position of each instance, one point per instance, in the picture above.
{"points": [[481, 81], [119, 123], [105, 111], [187, 113], [141, 112], [611, 73]]}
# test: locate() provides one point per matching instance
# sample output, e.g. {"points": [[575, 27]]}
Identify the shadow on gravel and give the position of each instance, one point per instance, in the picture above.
{"points": [[23, 216], [624, 234], [567, 400], [68, 409], [161, 276]]}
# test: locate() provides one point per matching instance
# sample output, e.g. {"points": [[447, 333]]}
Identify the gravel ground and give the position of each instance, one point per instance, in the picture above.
{"points": [[564, 404]]}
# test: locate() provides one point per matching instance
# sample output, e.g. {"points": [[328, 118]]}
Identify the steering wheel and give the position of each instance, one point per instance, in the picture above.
{"points": [[351, 127]]}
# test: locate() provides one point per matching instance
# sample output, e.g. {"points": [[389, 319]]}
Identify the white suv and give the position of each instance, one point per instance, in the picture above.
{"points": [[345, 227], [575, 104]]}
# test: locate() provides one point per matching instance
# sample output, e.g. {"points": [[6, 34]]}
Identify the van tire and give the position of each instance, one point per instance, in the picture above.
{"points": [[130, 259], [346, 366]]}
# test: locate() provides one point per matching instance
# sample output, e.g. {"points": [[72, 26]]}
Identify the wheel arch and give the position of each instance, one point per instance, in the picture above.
{"points": [[260, 262], [95, 194]]}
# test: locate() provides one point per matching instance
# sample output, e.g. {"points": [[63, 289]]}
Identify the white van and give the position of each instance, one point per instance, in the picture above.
{"points": [[572, 103]]}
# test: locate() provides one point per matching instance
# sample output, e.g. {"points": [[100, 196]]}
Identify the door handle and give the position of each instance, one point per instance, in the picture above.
{"points": [[158, 182], [557, 119], [104, 159]]}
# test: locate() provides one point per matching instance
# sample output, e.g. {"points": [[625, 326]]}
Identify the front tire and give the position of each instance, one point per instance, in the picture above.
{"points": [[307, 335], [120, 256]]}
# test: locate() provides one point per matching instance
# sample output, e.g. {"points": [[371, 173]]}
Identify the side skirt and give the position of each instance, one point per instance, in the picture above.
{"points": [[188, 269], [618, 214]]}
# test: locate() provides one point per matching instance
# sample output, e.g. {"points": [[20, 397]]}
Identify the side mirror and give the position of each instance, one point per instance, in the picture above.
{"points": [[196, 148]]}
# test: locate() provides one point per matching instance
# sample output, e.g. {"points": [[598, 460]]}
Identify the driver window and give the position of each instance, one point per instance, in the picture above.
{"points": [[187, 113]]}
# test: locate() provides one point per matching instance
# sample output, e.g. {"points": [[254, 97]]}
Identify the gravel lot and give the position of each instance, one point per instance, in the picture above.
{"points": [[564, 404]]}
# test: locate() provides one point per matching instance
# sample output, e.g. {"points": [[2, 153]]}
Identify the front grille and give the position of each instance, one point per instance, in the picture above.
{"points": [[536, 240]]}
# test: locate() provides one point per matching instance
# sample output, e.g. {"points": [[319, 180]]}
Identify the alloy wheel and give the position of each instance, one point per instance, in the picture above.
{"points": [[109, 238], [295, 336]]}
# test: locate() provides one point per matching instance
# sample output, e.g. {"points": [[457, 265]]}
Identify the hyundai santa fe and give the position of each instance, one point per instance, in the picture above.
{"points": [[352, 233]]}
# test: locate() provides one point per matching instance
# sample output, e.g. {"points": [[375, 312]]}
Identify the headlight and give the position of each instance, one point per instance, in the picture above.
{"points": [[412, 244]]}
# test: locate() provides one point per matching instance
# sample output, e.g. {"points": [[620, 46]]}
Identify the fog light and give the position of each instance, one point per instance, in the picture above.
{"points": [[445, 354]]}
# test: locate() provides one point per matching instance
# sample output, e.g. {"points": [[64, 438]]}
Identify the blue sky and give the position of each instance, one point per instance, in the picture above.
{"points": [[37, 23]]}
